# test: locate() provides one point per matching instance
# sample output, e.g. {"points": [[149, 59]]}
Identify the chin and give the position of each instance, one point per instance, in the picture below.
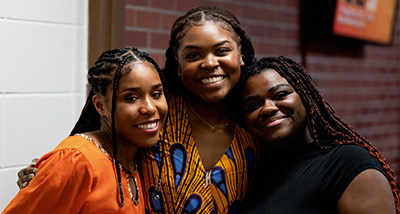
{"points": [[148, 145], [273, 141], [152, 142], [277, 144], [218, 97]]}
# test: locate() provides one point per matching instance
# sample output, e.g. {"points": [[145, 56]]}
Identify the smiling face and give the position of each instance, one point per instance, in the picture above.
{"points": [[273, 111], [209, 61], [141, 107]]}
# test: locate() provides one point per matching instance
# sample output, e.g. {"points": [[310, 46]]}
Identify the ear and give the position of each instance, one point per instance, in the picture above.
{"points": [[179, 72], [241, 56], [100, 104], [241, 60], [178, 66]]}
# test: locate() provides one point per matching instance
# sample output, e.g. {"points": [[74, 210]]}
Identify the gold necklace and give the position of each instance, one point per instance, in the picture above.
{"points": [[213, 128], [135, 199], [129, 176]]}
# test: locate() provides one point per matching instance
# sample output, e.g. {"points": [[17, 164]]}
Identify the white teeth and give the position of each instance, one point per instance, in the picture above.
{"points": [[147, 126], [211, 79]]}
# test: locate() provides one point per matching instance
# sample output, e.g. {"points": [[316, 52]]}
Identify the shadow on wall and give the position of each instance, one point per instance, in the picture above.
{"points": [[317, 34]]}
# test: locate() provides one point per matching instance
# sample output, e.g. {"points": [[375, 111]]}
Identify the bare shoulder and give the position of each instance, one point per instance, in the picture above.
{"points": [[369, 192]]}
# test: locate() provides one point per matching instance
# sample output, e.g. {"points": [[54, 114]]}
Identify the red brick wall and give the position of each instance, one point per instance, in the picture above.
{"points": [[360, 79]]}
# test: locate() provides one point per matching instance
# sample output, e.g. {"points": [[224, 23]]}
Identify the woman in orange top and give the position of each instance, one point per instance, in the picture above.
{"points": [[94, 169]]}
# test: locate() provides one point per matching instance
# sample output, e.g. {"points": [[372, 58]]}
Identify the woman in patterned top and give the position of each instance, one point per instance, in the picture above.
{"points": [[207, 160]]}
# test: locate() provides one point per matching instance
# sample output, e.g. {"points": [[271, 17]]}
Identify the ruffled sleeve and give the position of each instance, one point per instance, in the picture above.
{"points": [[61, 185]]}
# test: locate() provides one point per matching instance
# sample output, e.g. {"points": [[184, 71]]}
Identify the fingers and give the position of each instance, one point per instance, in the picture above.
{"points": [[24, 180], [29, 169], [26, 174]]}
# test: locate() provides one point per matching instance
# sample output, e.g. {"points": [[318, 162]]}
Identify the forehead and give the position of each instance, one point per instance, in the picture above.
{"points": [[138, 72], [267, 76], [206, 29], [263, 81]]}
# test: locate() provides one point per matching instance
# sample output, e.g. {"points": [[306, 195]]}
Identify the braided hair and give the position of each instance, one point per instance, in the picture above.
{"points": [[322, 120], [108, 70], [198, 17]]}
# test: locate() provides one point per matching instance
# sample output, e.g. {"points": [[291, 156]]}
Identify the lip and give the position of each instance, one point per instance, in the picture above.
{"points": [[149, 127], [272, 121]]}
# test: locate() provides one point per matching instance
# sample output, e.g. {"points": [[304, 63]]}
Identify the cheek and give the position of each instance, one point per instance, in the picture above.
{"points": [[125, 112], [250, 120], [162, 109], [234, 64], [303, 118], [187, 69], [187, 75], [236, 78], [302, 113], [251, 125]]}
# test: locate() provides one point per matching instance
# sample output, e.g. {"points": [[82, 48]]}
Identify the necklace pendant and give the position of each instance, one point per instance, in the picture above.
{"points": [[216, 128], [129, 176], [213, 128]]}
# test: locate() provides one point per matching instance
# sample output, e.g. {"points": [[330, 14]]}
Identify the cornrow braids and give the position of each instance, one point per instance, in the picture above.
{"points": [[198, 17], [117, 77], [322, 120], [108, 70]]}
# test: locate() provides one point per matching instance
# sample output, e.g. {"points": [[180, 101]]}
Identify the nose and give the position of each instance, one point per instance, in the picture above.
{"points": [[268, 108], [210, 62], [148, 107]]}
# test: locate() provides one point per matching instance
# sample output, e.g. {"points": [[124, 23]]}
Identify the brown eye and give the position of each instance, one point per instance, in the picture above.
{"points": [[157, 94], [131, 98], [281, 95], [192, 56], [222, 51], [250, 107]]}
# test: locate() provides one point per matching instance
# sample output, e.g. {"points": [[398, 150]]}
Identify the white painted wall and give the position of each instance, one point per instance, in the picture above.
{"points": [[43, 66]]}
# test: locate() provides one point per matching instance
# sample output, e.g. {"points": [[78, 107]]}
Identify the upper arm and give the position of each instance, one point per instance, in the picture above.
{"points": [[368, 192], [61, 184]]}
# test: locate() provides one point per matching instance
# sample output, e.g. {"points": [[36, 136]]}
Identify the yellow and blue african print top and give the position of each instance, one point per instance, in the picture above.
{"points": [[186, 186]]}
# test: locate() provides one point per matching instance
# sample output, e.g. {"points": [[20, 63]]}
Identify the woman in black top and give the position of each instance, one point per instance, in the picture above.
{"points": [[313, 161]]}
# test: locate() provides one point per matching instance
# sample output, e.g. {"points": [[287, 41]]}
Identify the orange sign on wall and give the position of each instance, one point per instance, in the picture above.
{"points": [[370, 20]]}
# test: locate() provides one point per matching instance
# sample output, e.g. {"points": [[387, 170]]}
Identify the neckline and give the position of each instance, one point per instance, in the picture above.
{"points": [[108, 154], [234, 138], [129, 175], [213, 128]]}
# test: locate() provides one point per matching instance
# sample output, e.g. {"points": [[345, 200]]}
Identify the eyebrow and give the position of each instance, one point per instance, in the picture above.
{"points": [[197, 47], [277, 86], [136, 88]]}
